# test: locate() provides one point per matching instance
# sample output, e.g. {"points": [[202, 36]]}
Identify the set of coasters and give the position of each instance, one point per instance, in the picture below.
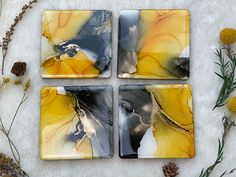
{"points": [[155, 121]]}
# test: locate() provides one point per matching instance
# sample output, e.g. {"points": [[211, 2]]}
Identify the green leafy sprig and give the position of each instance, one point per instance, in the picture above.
{"points": [[228, 123], [228, 173], [227, 64]]}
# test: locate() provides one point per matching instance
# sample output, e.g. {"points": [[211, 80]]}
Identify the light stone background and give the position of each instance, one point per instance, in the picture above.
{"points": [[207, 19]]}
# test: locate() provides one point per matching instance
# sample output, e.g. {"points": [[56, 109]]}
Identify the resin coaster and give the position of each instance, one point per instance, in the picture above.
{"points": [[76, 44], [154, 44], [156, 121], [76, 122]]}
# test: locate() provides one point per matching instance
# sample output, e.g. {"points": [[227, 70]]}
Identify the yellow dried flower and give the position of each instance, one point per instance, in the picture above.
{"points": [[17, 82], [228, 36], [26, 85], [6, 80], [231, 104]]}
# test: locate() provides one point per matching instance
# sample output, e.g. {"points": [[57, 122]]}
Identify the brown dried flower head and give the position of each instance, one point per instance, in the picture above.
{"points": [[19, 68]]}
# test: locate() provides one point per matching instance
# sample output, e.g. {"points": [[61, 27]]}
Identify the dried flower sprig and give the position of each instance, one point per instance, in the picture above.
{"points": [[8, 36], [228, 123], [227, 65], [9, 168], [6, 132]]}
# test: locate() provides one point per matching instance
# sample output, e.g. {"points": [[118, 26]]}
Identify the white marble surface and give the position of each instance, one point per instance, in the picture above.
{"points": [[207, 18]]}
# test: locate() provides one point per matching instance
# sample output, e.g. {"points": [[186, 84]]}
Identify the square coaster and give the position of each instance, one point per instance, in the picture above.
{"points": [[156, 121], [76, 44], [154, 44], [76, 122]]}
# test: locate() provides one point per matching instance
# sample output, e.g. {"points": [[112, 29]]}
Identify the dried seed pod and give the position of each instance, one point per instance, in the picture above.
{"points": [[19, 68], [170, 170]]}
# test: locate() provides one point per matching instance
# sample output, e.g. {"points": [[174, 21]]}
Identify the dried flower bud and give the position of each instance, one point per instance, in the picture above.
{"points": [[19, 68], [17, 82], [26, 85], [5, 80]]}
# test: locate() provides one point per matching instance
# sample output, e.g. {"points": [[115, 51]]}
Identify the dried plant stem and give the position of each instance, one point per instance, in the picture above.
{"points": [[6, 132], [23, 99], [14, 150], [4, 53], [0, 8], [8, 36], [228, 123]]}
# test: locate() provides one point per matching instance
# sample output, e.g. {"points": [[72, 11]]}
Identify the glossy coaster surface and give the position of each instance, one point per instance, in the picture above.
{"points": [[156, 121], [154, 44], [76, 122], [76, 44]]}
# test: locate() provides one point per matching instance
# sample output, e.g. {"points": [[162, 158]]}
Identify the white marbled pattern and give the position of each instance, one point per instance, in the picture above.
{"points": [[207, 19]]}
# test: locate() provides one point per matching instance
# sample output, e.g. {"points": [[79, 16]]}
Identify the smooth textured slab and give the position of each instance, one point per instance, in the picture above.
{"points": [[76, 122], [154, 44], [76, 44], [156, 121]]}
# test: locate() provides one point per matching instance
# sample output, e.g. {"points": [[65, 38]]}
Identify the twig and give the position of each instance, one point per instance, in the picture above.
{"points": [[3, 129], [14, 151], [13, 148], [14, 117], [0, 8], [227, 124]]}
